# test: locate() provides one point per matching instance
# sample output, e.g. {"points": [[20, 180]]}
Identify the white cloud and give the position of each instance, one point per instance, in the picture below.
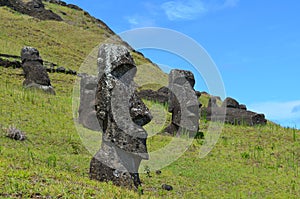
{"points": [[285, 113], [138, 21], [230, 3], [132, 20], [183, 10], [176, 10], [192, 9]]}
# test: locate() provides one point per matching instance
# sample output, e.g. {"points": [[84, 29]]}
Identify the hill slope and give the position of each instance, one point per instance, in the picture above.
{"points": [[247, 162], [66, 43]]}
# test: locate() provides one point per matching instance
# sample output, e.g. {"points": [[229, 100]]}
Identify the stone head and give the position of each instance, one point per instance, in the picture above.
{"points": [[180, 77], [30, 54], [115, 61]]}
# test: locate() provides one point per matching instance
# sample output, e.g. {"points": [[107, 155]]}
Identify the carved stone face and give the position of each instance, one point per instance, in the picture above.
{"points": [[184, 103], [180, 77], [30, 54], [121, 114], [115, 61], [125, 73]]}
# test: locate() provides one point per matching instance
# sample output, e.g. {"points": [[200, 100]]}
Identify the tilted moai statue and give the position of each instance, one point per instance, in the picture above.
{"points": [[35, 73], [121, 115], [183, 103]]}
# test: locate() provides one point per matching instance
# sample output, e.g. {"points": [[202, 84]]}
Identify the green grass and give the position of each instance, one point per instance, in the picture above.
{"points": [[204, 98], [66, 43], [247, 162]]}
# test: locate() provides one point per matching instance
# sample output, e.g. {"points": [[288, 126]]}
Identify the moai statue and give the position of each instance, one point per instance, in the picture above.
{"points": [[183, 103], [87, 113], [212, 102], [35, 73], [121, 115], [230, 103]]}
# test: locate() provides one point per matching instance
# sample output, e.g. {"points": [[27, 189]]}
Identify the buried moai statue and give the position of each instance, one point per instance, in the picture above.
{"points": [[87, 113], [183, 103], [35, 73], [231, 112], [121, 115], [212, 102]]}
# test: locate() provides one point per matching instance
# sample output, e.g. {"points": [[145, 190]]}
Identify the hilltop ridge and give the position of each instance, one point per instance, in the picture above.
{"points": [[66, 42]]}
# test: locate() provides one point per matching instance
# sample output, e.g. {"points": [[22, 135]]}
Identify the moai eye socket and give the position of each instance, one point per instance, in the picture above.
{"points": [[180, 80], [180, 77], [124, 70], [191, 81]]}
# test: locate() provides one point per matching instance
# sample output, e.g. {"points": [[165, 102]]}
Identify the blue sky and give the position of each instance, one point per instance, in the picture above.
{"points": [[255, 44]]}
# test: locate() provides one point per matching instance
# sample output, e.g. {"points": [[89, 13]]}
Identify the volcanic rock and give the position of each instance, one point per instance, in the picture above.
{"points": [[161, 95], [183, 103], [232, 112], [87, 113], [34, 8], [212, 102], [121, 115], [35, 73], [230, 103]]}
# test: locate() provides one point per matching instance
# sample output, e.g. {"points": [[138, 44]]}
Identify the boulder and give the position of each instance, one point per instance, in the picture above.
{"points": [[161, 95], [121, 115], [167, 187], [7, 63], [230, 103], [35, 73], [234, 116], [198, 93], [87, 113], [16, 134], [34, 8], [243, 106]]}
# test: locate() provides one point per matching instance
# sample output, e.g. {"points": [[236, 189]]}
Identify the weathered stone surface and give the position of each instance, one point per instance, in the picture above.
{"points": [[183, 103], [167, 187], [243, 106], [233, 116], [7, 63], [232, 112], [198, 93], [212, 102], [34, 8], [16, 134], [62, 3], [87, 113], [230, 103], [35, 73], [161, 95], [121, 115]]}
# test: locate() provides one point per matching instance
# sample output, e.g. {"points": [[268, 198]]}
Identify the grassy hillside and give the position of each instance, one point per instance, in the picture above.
{"points": [[247, 162], [66, 43]]}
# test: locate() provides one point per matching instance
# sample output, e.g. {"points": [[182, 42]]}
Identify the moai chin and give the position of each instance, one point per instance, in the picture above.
{"points": [[121, 115], [183, 103]]}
